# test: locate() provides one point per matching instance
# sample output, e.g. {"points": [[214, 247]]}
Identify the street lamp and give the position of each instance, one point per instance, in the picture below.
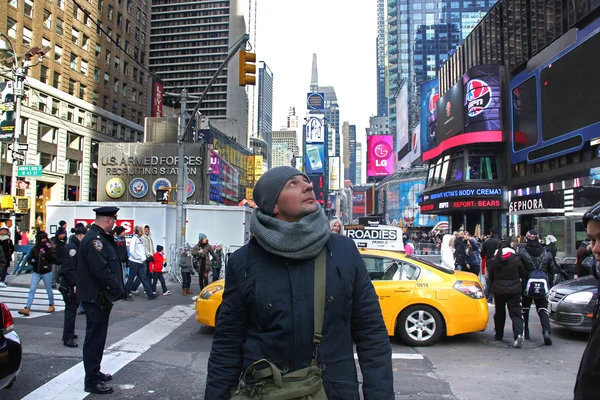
{"points": [[19, 73]]}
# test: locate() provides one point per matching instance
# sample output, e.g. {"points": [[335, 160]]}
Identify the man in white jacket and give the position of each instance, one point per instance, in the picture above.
{"points": [[137, 259]]}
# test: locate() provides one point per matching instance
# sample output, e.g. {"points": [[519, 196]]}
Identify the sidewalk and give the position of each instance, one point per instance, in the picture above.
{"points": [[21, 280]]}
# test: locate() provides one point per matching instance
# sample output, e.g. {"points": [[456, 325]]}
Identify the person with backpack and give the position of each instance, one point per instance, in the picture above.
{"points": [[506, 272], [539, 266]]}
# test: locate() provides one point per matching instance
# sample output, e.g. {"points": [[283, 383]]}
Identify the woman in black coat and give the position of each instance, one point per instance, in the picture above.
{"points": [[506, 271]]}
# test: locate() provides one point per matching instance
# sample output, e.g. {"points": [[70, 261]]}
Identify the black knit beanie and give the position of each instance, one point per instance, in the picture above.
{"points": [[267, 189]]}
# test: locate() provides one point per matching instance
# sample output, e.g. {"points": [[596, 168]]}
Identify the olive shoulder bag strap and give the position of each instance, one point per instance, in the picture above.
{"points": [[269, 382]]}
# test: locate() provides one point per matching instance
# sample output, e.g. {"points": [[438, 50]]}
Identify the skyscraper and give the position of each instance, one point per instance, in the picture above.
{"points": [[352, 152], [382, 104], [187, 44], [265, 104], [332, 109], [359, 158], [421, 35]]}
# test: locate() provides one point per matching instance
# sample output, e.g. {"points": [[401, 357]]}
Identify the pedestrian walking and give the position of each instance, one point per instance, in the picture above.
{"points": [[587, 383], [8, 248], [217, 261], [137, 262], [59, 242], [121, 244], [68, 286], [533, 256], [270, 295], [460, 251], [186, 263], [156, 269], [488, 249], [447, 251], [41, 258], [202, 253], [473, 257], [506, 273], [99, 284]]}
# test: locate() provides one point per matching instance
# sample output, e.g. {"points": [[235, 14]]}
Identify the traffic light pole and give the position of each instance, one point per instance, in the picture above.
{"points": [[181, 184], [18, 92]]}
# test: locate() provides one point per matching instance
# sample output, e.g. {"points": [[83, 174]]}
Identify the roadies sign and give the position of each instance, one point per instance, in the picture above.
{"points": [[381, 237]]}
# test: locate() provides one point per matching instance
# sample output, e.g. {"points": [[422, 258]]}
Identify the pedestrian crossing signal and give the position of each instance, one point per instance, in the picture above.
{"points": [[163, 196]]}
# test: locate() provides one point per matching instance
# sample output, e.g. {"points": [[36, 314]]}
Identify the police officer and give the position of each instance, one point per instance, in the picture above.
{"points": [[68, 286], [99, 284]]}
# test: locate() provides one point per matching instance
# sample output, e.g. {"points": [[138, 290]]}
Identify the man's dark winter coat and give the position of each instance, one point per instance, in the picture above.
{"points": [[534, 249], [267, 312], [489, 246], [69, 262]]}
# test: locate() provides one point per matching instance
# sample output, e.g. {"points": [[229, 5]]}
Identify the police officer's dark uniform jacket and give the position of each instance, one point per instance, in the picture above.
{"points": [[267, 312], [68, 271], [99, 272]]}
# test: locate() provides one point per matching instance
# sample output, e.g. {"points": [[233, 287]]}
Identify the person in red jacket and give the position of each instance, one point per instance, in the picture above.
{"points": [[156, 267]]}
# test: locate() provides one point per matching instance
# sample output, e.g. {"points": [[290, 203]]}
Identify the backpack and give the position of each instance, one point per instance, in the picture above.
{"points": [[536, 286]]}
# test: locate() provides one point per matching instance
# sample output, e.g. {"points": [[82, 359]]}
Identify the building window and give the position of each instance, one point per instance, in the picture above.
{"points": [[55, 107], [75, 36], [42, 101], [72, 87], [28, 9], [44, 75], [57, 53], [85, 41], [13, 3], [119, 19], [134, 96], [72, 167], [56, 80], [74, 61], [81, 115], [94, 121], [47, 133], [124, 90], [103, 125], [47, 19], [100, 4], [107, 58], [482, 165], [48, 162], [70, 113], [11, 26], [82, 89], [110, 12], [27, 36], [116, 85], [75, 141], [117, 63], [125, 68], [95, 98], [96, 74], [61, 4], [98, 51], [84, 67], [59, 26], [115, 105], [457, 172], [106, 80]]}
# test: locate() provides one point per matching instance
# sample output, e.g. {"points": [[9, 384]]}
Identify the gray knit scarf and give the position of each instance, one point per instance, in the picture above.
{"points": [[296, 240]]}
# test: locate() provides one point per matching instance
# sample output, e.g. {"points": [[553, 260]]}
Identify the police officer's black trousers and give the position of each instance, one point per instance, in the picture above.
{"points": [[513, 302], [70, 316], [541, 305], [96, 328]]}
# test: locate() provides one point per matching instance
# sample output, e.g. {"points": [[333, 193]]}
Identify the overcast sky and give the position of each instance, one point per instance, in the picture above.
{"points": [[342, 33]]}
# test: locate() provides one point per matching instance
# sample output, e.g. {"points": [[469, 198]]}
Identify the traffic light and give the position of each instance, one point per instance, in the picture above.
{"points": [[247, 68], [163, 196]]}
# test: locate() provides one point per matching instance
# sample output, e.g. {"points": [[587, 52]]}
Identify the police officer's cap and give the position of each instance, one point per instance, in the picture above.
{"points": [[107, 211]]}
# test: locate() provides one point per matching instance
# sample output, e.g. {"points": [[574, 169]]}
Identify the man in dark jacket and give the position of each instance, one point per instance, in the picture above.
{"points": [[268, 305], [587, 384], [68, 286], [99, 283], [534, 255], [58, 241]]}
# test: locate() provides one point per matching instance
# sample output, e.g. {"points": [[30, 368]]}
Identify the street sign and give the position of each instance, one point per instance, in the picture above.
{"points": [[20, 146], [18, 156], [29, 170]]}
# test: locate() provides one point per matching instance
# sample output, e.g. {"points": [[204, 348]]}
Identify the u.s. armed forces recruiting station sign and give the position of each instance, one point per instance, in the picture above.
{"points": [[380, 237], [134, 171]]}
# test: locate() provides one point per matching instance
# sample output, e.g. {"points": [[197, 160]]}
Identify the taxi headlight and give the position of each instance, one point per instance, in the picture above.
{"points": [[207, 293], [469, 288], [579, 298]]}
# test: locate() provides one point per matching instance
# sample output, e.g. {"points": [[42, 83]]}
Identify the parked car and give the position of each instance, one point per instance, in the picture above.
{"points": [[420, 300], [572, 303], [11, 352]]}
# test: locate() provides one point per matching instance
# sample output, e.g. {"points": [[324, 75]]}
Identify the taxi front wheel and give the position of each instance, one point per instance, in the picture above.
{"points": [[420, 325]]}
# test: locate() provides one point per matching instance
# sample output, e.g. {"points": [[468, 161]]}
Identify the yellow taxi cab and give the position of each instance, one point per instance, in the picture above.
{"points": [[420, 301]]}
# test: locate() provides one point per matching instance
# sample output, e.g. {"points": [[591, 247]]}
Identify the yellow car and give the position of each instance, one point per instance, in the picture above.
{"points": [[419, 300]]}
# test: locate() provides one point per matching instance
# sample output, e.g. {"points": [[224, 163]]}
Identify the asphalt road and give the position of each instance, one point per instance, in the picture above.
{"points": [[156, 350]]}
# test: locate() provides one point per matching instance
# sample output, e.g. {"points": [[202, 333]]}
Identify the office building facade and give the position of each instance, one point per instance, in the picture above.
{"points": [[265, 104], [187, 42], [382, 102]]}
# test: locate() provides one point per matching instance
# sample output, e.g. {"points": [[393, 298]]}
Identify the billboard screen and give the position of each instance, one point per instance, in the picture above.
{"points": [[380, 155], [482, 99], [314, 162], [402, 122], [334, 173], [318, 182], [450, 113], [315, 101], [7, 114], [315, 129], [430, 94]]}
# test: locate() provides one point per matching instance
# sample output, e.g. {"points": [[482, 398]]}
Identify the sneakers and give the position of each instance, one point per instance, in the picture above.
{"points": [[154, 296], [135, 292], [3, 284], [24, 312], [168, 292], [50, 308], [518, 342]]}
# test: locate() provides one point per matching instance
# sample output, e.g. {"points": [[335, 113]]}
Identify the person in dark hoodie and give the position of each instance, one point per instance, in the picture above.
{"points": [[587, 383], [534, 255], [119, 233], [58, 241], [8, 248], [506, 272], [460, 251], [68, 285]]}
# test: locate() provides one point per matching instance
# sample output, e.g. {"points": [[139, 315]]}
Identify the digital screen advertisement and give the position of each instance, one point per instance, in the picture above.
{"points": [[334, 173], [318, 182], [482, 99], [402, 122], [450, 113], [315, 129], [315, 101], [430, 94], [380, 155], [314, 160]]}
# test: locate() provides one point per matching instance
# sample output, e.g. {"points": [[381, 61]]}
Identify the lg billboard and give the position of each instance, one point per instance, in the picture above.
{"points": [[380, 155]]}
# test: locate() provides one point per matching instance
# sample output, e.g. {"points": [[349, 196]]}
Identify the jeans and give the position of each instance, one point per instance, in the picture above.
{"points": [[35, 281], [137, 270], [125, 268], [216, 272], [55, 269], [158, 276]]}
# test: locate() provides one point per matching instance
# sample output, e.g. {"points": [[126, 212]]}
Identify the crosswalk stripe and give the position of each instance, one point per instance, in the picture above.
{"points": [[69, 384], [15, 299]]}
